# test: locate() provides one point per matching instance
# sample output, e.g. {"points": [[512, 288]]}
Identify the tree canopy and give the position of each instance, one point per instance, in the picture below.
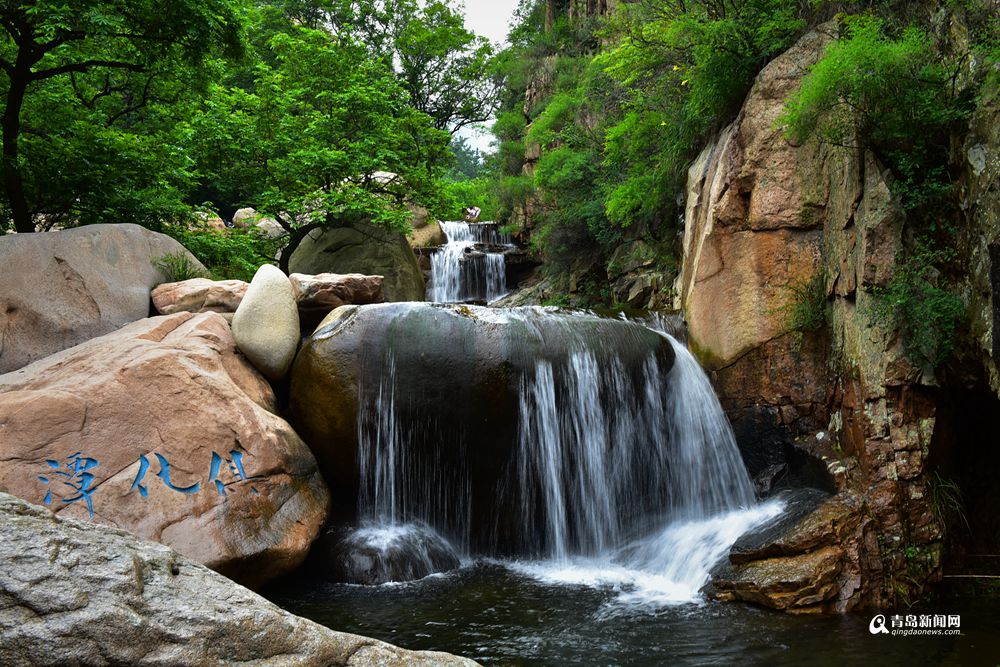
{"points": [[77, 71], [314, 112]]}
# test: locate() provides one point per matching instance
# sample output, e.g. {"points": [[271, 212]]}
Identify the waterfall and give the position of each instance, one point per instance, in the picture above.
{"points": [[398, 485], [380, 449], [621, 474], [602, 460], [469, 267]]}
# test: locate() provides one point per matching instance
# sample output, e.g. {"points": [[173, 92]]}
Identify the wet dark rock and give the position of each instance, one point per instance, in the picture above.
{"points": [[773, 460], [799, 562], [373, 556], [469, 364], [767, 479], [770, 539]]}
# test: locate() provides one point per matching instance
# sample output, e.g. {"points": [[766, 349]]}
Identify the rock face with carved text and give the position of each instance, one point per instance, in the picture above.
{"points": [[112, 598], [169, 433]]}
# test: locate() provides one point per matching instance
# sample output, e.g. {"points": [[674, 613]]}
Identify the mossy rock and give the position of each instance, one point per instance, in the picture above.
{"points": [[365, 249]]}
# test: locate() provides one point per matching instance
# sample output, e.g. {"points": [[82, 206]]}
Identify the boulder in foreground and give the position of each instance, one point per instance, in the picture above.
{"points": [[162, 429], [76, 593]]}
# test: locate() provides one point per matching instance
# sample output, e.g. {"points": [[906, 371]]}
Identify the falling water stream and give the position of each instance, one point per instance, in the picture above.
{"points": [[469, 267], [643, 489], [624, 478]]}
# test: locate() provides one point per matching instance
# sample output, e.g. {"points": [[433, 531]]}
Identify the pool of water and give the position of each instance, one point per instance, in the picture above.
{"points": [[510, 615]]}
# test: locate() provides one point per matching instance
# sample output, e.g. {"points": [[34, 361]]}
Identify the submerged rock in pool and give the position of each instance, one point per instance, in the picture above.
{"points": [[378, 555]]}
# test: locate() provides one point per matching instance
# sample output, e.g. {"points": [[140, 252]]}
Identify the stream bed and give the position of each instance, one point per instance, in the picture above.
{"points": [[500, 614]]}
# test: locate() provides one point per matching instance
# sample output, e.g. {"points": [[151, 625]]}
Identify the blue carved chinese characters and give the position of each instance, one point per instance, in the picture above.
{"points": [[164, 474], [75, 471], [76, 477]]}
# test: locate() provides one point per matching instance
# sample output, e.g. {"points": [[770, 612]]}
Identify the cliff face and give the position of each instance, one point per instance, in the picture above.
{"points": [[754, 232], [576, 9], [981, 202], [773, 228]]}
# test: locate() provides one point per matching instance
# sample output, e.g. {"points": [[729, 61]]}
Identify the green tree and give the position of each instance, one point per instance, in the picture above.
{"points": [[894, 94], [445, 68], [468, 161], [685, 66], [106, 59], [322, 136], [447, 71]]}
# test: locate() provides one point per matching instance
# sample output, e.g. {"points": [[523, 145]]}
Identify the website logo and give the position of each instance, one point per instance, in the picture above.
{"points": [[916, 624]]}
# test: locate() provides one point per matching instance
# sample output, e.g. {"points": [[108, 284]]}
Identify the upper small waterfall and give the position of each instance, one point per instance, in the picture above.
{"points": [[471, 266]]}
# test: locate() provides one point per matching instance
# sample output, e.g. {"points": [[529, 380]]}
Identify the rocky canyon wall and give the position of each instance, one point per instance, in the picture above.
{"points": [[772, 228]]}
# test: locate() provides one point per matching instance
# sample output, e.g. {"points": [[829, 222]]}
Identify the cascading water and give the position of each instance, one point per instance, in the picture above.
{"points": [[395, 541], [610, 458], [468, 267], [624, 472], [642, 488]]}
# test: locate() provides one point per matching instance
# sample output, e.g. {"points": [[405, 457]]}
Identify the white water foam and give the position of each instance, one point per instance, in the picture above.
{"points": [[667, 568]]}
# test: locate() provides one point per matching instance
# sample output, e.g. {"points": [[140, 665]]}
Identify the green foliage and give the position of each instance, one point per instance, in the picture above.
{"points": [[685, 68], [890, 91], [946, 500], [559, 301], [513, 194], [807, 308], [234, 254], [468, 162], [460, 195], [317, 113], [177, 266], [558, 114], [90, 89], [509, 130], [618, 128], [318, 134], [446, 71], [917, 303]]}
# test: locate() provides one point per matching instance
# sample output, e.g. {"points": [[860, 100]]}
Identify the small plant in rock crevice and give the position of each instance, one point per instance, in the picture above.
{"points": [[806, 309], [946, 500], [177, 266]]}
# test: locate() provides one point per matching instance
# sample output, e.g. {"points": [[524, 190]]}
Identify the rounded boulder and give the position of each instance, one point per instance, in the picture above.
{"points": [[266, 324]]}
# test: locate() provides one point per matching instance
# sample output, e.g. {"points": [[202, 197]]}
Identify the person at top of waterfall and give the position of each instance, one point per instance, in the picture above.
{"points": [[472, 214]]}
